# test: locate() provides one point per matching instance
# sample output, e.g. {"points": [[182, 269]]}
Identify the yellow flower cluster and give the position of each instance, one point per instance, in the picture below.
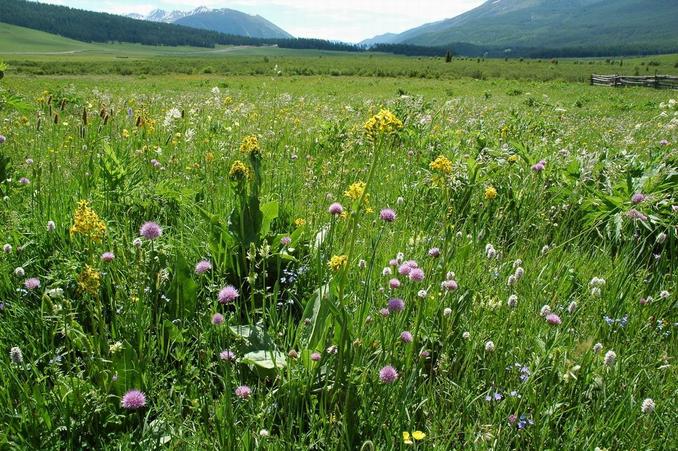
{"points": [[356, 190], [337, 262], [490, 192], [299, 222], [89, 280], [239, 171], [250, 145], [416, 435], [87, 223], [513, 158], [441, 164], [384, 122]]}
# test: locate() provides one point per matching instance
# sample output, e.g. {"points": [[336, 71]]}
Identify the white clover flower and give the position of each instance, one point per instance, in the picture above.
{"points": [[512, 301], [489, 346], [16, 356], [648, 406], [610, 358]]}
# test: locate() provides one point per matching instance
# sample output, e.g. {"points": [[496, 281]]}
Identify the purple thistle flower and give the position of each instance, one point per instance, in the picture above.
{"points": [[393, 262], [394, 283], [449, 285], [150, 230], [133, 400], [316, 356], [24, 181], [384, 312], [218, 319], [553, 319], [395, 305], [285, 241], [243, 392], [637, 198], [387, 215], [32, 283], [227, 355], [336, 209], [416, 274], [404, 269], [434, 252], [228, 294], [388, 374], [406, 337], [538, 167], [107, 257], [203, 266]]}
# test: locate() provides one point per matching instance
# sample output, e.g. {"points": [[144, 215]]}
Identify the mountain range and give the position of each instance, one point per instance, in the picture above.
{"points": [[223, 20], [550, 24]]}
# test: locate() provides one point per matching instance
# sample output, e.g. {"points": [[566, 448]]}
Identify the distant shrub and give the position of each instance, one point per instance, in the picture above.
{"points": [[208, 70], [654, 63], [478, 75], [514, 92]]}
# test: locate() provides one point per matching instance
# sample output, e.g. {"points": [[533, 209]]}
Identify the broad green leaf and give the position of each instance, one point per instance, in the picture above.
{"points": [[265, 359], [269, 211]]}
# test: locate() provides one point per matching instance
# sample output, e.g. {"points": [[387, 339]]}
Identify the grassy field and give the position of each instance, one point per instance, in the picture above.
{"points": [[35, 53], [375, 261]]}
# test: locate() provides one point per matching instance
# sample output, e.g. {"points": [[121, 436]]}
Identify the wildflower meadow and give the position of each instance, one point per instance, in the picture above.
{"points": [[276, 262]]}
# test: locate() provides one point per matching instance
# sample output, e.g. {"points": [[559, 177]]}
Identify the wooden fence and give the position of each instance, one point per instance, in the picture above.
{"points": [[647, 81]]}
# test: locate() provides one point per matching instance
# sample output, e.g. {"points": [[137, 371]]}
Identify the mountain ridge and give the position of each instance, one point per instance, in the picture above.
{"points": [[552, 24], [223, 20]]}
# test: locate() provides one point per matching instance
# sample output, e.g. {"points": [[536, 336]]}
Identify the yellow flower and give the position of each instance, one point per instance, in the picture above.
{"points": [[299, 222], [513, 158], [441, 164], [87, 223], [355, 191], [337, 262], [209, 157], [418, 435], [239, 171], [384, 122], [250, 145], [125, 133], [490, 192], [89, 280]]}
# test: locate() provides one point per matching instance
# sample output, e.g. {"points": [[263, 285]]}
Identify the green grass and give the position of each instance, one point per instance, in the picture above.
{"points": [[35, 55], [162, 147]]}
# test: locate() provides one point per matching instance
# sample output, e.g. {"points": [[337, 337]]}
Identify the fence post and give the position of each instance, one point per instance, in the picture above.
{"points": [[656, 81]]}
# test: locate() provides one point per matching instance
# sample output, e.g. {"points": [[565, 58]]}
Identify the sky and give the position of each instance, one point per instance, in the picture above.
{"points": [[342, 20]]}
